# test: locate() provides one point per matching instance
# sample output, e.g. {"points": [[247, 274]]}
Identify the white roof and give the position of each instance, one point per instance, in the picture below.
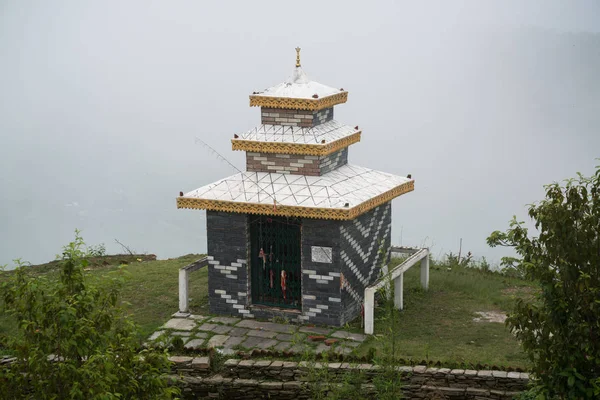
{"points": [[347, 184], [299, 86], [328, 131]]}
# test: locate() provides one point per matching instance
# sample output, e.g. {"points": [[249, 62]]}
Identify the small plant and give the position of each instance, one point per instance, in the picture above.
{"points": [[98, 250], [75, 341]]}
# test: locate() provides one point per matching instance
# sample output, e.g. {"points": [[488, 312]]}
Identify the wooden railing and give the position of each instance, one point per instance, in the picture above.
{"points": [[396, 274]]}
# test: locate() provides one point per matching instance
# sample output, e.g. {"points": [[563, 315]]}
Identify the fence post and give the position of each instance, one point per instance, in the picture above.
{"points": [[183, 290], [399, 291], [369, 310], [425, 271]]}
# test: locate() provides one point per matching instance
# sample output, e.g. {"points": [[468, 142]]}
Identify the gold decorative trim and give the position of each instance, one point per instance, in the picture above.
{"points": [[295, 211], [295, 148], [298, 104]]}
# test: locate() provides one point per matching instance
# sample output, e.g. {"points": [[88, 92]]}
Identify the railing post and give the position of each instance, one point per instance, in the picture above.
{"points": [[425, 271], [369, 310], [183, 290], [399, 291]]}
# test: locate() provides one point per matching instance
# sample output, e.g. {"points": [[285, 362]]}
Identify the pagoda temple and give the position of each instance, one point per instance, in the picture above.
{"points": [[302, 232]]}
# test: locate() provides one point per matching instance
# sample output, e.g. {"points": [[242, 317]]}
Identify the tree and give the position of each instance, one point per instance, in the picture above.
{"points": [[560, 328], [75, 341]]}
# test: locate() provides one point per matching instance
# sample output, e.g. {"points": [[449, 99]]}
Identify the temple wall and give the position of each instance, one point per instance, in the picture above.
{"points": [[360, 245], [227, 237], [296, 164], [321, 301], [302, 118]]}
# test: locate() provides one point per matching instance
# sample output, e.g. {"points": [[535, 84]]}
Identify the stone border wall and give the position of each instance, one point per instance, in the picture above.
{"points": [[248, 379]]}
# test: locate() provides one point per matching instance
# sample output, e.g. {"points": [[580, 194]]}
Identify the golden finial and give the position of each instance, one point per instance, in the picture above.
{"points": [[297, 57]]}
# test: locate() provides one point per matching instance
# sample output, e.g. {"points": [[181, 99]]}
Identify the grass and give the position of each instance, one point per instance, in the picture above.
{"points": [[435, 325], [152, 289]]}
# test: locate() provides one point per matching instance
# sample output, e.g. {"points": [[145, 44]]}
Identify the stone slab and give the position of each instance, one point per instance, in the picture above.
{"points": [[258, 343], [194, 344], [269, 326], [179, 314], [238, 331], [315, 329], [207, 327], [282, 346], [233, 341], [181, 333], [261, 334], [217, 341], [290, 338], [201, 363], [226, 320], [222, 329], [180, 324], [358, 337], [155, 335]]}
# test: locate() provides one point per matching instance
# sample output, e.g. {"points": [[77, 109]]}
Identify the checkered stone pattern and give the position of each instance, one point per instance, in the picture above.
{"points": [[296, 164], [321, 296], [360, 242], [333, 161], [322, 116], [302, 118], [227, 269]]}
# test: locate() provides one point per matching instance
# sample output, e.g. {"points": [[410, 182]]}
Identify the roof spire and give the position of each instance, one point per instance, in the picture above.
{"points": [[297, 57]]}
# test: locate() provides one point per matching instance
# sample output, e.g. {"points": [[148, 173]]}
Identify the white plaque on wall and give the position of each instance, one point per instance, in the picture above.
{"points": [[321, 254]]}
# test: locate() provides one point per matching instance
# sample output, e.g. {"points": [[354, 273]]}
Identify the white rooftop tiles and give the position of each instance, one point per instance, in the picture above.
{"points": [[299, 86], [328, 131], [348, 184]]}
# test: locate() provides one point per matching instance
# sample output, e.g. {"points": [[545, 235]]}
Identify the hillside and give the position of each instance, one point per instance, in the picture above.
{"points": [[437, 325]]}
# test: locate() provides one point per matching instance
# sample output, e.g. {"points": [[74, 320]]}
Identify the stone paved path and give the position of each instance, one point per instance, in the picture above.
{"points": [[228, 334]]}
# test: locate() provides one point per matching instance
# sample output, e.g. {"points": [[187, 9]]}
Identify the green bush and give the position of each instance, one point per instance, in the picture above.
{"points": [[560, 329], [75, 341]]}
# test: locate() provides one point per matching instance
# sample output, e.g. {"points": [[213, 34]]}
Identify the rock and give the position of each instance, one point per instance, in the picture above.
{"points": [[329, 342], [316, 338]]}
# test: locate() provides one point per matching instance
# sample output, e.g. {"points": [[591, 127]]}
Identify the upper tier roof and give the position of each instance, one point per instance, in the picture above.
{"points": [[299, 92], [322, 139], [341, 194]]}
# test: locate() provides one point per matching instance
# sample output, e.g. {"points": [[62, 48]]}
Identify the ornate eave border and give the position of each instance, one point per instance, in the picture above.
{"points": [[295, 211], [295, 148], [257, 100]]}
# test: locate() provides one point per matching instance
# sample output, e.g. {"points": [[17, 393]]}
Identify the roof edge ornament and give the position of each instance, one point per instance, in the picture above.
{"points": [[298, 56], [295, 211]]}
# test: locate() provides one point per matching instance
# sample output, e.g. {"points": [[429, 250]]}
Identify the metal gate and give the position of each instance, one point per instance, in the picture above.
{"points": [[275, 261]]}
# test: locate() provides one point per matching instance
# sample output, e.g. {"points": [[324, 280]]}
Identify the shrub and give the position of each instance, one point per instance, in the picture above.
{"points": [[75, 341], [560, 329]]}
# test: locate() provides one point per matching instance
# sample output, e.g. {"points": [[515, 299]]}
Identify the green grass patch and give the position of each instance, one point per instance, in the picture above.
{"points": [[437, 325], [152, 288]]}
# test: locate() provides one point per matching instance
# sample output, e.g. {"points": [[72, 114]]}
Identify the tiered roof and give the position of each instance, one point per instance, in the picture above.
{"points": [[341, 194]]}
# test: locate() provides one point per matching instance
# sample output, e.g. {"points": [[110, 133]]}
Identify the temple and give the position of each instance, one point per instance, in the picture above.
{"points": [[301, 232]]}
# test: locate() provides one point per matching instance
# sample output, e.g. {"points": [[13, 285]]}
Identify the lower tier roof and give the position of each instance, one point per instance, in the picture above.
{"points": [[341, 194]]}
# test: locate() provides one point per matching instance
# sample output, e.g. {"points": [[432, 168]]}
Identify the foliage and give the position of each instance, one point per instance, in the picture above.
{"points": [[75, 340], [98, 250], [561, 330]]}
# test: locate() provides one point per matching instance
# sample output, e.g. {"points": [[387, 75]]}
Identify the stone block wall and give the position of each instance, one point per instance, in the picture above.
{"points": [[227, 266], [296, 164], [360, 242], [339, 259], [321, 301], [278, 379], [301, 118]]}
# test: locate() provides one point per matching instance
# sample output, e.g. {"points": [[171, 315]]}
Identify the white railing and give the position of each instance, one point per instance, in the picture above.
{"points": [[397, 275], [184, 275]]}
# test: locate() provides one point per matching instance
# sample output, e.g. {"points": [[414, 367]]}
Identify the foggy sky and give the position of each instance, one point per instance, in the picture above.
{"points": [[101, 101]]}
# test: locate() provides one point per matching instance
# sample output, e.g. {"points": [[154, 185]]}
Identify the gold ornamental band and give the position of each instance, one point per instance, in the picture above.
{"points": [[295, 148], [298, 104]]}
